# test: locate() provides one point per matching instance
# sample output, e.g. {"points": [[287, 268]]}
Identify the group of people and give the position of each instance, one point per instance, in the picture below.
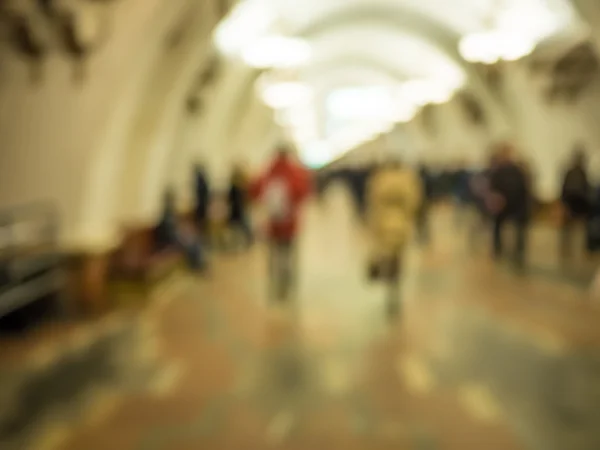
{"points": [[220, 218], [396, 198], [501, 194]]}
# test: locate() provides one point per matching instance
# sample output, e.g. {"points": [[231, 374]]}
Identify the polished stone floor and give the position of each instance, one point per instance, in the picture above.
{"points": [[481, 357]]}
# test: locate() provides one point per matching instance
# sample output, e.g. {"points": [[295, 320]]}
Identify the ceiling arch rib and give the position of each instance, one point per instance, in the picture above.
{"points": [[342, 70], [396, 16], [395, 21], [408, 19], [368, 64], [414, 56]]}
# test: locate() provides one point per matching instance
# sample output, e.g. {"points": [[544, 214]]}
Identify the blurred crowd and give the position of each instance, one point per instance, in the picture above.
{"points": [[393, 199]]}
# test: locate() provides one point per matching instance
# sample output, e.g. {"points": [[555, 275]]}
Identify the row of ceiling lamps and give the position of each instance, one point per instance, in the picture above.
{"points": [[250, 34]]}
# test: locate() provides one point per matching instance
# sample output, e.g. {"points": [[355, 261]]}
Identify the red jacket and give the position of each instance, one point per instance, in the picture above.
{"points": [[299, 185]]}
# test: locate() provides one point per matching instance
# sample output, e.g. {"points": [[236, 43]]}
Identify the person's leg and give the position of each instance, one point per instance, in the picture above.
{"points": [[204, 232], [246, 228], [457, 210], [479, 226], [192, 250], [566, 233], [522, 228], [235, 230], [280, 268], [498, 226], [423, 224], [288, 267], [394, 277], [587, 242], [273, 270]]}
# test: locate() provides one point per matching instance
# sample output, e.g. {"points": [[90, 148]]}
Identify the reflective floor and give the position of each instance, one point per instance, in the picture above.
{"points": [[481, 357]]}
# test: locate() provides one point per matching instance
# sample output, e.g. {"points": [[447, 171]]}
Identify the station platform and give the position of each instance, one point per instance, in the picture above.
{"points": [[481, 357]]}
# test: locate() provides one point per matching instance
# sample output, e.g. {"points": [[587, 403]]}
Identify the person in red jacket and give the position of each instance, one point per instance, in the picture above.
{"points": [[281, 190]]}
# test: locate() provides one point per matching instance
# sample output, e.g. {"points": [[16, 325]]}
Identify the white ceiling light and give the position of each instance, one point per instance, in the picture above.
{"points": [[277, 52], [248, 21], [316, 154], [301, 115], [303, 134], [514, 47], [423, 92], [286, 94], [368, 103], [405, 112], [515, 33], [478, 47], [491, 47], [536, 22]]}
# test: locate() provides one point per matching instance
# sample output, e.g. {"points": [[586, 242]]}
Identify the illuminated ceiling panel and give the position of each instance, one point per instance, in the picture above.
{"points": [[459, 16], [376, 42], [407, 54]]}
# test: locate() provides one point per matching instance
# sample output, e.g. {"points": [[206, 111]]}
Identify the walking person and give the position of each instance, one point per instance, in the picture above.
{"points": [[237, 199], [509, 201], [202, 199], [282, 190], [461, 192], [423, 225], [480, 186], [393, 199], [575, 199]]}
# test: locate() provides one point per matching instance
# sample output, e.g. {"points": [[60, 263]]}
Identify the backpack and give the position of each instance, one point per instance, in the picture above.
{"points": [[576, 184], [277, 200]]}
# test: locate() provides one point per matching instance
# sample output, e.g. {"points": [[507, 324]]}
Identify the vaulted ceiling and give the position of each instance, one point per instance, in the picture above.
{"points": [[389, 42]]}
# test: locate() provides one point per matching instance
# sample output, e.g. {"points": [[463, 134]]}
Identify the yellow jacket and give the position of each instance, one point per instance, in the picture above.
{"points": [[394, 196]]}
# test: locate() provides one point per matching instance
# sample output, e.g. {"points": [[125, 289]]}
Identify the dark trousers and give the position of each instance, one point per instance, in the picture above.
{"points": [[479, 226], [192, 250], [520, 220], [568, 226], [241, 224], [577, 211], [201, 219], [282, 267]]}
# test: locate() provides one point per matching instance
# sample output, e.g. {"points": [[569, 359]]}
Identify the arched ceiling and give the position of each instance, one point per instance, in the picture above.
{"points": [[385, 45], [353, 69], [391, 41], [460, 16], [398, 30]]}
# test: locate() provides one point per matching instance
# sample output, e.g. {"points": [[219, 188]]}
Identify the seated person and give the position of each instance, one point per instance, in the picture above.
{"points": [[168, 233]]}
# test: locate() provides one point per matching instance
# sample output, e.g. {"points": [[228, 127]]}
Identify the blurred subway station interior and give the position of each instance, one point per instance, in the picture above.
{"points": [[298, 224]]}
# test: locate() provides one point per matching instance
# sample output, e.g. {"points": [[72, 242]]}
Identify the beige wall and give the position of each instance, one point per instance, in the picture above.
{"points": [[546, 133], [105, 151], [60, 140]]}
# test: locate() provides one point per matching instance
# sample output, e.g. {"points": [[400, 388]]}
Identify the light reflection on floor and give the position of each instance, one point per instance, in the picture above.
{"points": [[480, 358]]}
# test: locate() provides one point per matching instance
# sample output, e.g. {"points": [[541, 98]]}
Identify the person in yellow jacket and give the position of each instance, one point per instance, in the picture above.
{"points": [[394, 195]]}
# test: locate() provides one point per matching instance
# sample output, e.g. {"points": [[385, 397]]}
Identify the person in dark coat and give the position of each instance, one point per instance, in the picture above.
{"points": [[423, 231], [509, 200], [202, 198], [237, 199], [575, 198], [169, 234]]}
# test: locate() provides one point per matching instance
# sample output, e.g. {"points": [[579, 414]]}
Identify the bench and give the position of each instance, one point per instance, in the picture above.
{"points": [[137, 259], [31, 265]]}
